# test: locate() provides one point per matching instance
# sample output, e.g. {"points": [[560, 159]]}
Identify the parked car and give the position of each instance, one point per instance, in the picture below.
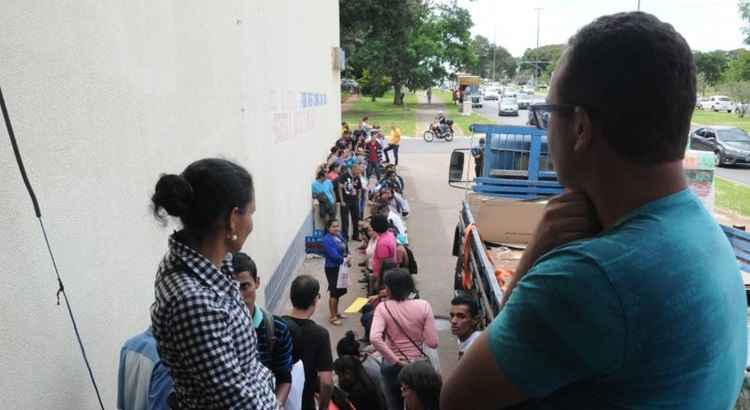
{"points": [[508, 106], [718, 103], [347, 84], [491, 95], [730, 144]]}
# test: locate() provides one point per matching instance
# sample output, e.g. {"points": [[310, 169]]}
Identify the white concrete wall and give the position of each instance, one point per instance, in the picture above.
{"points": [[105, 96]]}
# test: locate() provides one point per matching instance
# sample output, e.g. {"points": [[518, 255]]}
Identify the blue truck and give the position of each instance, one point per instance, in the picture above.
{"points": [[516, 166]]}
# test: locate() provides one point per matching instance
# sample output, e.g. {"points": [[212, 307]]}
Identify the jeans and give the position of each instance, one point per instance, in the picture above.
{"points": [[350, 211], [374, 168], [392, 386], [394, 148]]}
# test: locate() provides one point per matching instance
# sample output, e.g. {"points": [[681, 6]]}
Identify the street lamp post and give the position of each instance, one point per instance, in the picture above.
{"points": [[538, 12]]}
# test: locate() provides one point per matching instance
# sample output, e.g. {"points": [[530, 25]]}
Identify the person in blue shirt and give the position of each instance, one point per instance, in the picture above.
{"points": [[629, 295], [143, 381], [336, 254], [322, 190], [274, 340]]}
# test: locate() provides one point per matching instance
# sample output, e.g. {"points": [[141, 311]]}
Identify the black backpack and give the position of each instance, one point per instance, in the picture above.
{"points": [[297, 333]]}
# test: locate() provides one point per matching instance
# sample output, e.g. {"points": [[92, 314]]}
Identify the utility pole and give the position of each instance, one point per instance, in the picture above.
{"points": [[538, 12], [639, 5], [494, 52]]}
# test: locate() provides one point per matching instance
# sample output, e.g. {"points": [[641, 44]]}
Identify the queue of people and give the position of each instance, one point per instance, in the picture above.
{"points": [[581, 326]]}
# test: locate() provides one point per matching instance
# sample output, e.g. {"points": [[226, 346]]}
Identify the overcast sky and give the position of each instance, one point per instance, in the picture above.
{"points": [[706, 24]]}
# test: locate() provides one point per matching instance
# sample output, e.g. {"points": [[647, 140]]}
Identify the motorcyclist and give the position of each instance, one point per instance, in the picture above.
{"points": [[442, 123]]}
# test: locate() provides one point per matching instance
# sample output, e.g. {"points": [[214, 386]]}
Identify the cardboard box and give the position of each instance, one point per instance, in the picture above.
{"points": [[505, 221]]}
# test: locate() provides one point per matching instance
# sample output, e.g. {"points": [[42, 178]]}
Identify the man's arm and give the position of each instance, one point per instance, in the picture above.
{"points": [[325, 380], [567, 217], [282, 360], [325, 366], [464, 390]]}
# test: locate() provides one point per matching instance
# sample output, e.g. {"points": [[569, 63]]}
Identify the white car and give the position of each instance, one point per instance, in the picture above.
{"points": [[491, 95], [508, 106], [717, 103]]}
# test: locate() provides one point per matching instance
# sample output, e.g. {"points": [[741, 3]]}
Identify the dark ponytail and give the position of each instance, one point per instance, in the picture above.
{"points": [[204, 194], [174, 194], [348, 345]]}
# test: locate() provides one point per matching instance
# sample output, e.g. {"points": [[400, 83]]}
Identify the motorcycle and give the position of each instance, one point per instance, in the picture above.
{"points": [[436, 130]]}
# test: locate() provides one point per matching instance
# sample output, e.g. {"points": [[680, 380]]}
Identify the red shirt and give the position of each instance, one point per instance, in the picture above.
{"points": [[372, 151]]}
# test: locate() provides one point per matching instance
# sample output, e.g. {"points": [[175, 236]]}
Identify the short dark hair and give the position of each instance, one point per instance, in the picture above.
{"points": [[399, 283], [635, 76], [304, 290], [422, 378], [467, 301], [242, 262], [379, 223], [204, 194]]}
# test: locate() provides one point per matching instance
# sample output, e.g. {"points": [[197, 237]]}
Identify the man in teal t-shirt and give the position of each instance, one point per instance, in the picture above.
{"points": [[629, 296]]}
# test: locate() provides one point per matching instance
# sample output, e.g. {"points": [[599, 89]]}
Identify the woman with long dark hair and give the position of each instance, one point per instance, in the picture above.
{"points": [[363, 391], [199, 321]]}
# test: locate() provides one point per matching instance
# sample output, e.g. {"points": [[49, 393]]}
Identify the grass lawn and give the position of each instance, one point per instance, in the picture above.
{"points": [[733, 196], [451, 111], [721, 118], [382, 112]]}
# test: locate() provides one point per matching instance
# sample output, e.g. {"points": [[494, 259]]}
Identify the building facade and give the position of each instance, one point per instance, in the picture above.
{"points": [[104, 97]]}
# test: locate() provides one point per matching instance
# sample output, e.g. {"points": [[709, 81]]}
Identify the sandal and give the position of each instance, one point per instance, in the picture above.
{"points": [[342, 317], [335, 321]]}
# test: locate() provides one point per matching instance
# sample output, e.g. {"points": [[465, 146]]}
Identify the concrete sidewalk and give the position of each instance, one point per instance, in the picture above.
{"points": [[431, 225]]}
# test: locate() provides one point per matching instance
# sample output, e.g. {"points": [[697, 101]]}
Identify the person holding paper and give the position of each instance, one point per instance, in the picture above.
{"points": [[337, 262]]}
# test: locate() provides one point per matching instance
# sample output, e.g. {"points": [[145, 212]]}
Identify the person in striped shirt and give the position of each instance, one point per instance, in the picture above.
{"points": [[274, 339]]}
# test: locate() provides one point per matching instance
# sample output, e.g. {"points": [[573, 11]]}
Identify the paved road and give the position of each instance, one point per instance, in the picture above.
{"points": [[489, 110], [739, 174]]}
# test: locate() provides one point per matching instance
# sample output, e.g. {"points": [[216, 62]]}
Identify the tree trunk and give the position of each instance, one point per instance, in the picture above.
{"points": [[374, 98], [397, 100]]}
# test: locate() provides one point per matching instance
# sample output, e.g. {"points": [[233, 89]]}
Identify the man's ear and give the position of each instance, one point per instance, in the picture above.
{"points": [[583, 130]]}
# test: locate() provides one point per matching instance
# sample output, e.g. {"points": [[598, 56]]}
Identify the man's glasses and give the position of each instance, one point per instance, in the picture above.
{"points": [[540, 113]]}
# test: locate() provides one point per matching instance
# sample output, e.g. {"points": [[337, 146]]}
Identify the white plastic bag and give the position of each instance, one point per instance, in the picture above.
{"points": [[343, 279]]}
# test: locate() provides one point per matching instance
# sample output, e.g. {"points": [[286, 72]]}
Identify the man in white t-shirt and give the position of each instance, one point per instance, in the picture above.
{"points": [[464, 321]]}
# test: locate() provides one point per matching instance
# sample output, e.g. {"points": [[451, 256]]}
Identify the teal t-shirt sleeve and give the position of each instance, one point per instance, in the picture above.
{"points": [[563, 323]]}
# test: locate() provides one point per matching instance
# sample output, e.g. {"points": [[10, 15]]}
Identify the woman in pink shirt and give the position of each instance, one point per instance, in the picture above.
{"points": [[400, 329], [385, 249]]}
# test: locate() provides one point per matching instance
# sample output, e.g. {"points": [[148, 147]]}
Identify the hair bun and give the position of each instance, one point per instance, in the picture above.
{"points": [[174, 194], [350, 335]]}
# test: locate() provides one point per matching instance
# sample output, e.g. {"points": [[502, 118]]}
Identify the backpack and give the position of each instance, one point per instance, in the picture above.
{"points": [[270, 329], [412, 262], [297, 333]]}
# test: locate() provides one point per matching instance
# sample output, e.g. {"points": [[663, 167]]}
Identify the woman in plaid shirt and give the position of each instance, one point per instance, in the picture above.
{"points": [[199, 321]]}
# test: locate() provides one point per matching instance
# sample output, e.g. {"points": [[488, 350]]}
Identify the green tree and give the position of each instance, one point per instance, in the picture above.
{"points": [[740, 92], [542, 60], [744, 7], [411, 42], [712, 65], [738, 68]]}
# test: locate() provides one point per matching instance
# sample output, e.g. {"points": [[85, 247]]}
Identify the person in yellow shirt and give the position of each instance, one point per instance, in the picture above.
{"points": [[394, 139]]}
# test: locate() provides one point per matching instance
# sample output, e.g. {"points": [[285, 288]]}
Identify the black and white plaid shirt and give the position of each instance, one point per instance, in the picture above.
{"points": [[204, 334]]}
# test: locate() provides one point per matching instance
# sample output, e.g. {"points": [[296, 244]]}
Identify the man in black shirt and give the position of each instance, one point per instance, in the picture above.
{"points": [[311, 342], [349, 186]]}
